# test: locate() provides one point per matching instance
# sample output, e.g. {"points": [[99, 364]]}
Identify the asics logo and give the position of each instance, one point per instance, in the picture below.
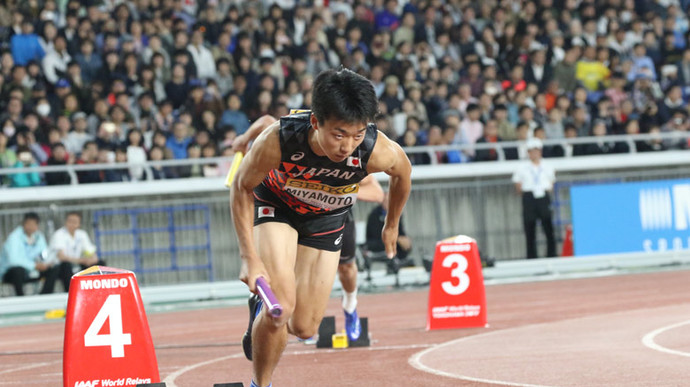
{"points": [[297, 156], [337, 241]]}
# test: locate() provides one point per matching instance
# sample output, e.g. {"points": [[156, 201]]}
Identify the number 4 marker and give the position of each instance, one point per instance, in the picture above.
{"points": [[116, 339]]}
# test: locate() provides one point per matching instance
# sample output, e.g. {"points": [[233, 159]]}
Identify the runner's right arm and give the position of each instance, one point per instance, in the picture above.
{"points": [[370, 190], [264, 157]]}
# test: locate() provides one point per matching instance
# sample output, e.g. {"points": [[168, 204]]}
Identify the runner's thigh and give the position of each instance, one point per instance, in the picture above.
{"points": [[315, 272], [276, 243]]}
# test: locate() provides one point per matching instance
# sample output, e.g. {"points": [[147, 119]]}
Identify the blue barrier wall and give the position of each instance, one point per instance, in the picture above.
{"points": [[631, 217]]}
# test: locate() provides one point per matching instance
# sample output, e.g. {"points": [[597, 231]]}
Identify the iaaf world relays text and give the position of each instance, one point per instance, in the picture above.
{"points": [[112, 382]]}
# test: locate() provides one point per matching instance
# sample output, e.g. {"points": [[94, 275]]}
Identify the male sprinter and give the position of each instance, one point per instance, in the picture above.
{"points": [[295, 186], [369, 190]]}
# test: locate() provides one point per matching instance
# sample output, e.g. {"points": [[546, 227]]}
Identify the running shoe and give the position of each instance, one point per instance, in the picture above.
{"points": [[352, 325], [254, 309]]}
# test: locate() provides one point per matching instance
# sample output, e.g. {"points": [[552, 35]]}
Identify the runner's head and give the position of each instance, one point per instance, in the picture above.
{"points": [[343, 104]]}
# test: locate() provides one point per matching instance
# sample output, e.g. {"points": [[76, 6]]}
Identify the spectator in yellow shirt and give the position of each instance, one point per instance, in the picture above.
{"points": [[590, 72]]}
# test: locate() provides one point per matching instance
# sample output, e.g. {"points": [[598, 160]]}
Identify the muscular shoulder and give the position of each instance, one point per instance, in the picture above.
{"points": [[386, 155], [263, 156], [267, 145]]}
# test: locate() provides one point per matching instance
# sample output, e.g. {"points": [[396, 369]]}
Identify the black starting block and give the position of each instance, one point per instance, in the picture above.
{"points": [[327, 330], [229, 384]]}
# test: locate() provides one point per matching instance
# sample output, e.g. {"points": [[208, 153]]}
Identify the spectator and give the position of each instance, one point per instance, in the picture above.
{"points": [[109, 132], [490, 135], [534, 181], [25, 179], [179, 141], [88, 156], [388, 18], [203, 59], [25, 46], [73, 248], [537, 70], [135, 154], [58, 157], [591, 72], [672, 102], [471, 129], [208, 151], [506, 130], [7, 157], [554, 127], [642, 64], [177, 88], [76, 139], [55, 61], [23, 257], [234, 116], [159, 172], [118, 174], [193, 152], [89, 62]]}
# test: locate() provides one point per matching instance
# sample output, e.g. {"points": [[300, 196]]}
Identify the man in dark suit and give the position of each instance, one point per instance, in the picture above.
{"points": [[537, 71]]}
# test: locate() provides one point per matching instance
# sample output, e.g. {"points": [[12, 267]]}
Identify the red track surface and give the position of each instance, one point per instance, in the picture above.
{"points": [[586, 332]]}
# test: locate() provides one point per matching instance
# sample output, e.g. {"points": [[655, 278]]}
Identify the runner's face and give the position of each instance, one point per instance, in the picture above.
{"points": [[338, 139]]}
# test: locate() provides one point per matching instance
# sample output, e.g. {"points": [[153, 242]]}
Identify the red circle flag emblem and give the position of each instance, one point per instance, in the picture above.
{"points": [[265, 211]]}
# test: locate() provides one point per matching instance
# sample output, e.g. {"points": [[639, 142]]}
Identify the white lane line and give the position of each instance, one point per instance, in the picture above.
{"points": [[648, 339], [415, 361], [28, 367], [170, 380]]}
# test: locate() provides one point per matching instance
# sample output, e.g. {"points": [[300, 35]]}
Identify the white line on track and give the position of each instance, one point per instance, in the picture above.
{"points": [[648, 339], [415, 361], [170, 380], [27, 367]]}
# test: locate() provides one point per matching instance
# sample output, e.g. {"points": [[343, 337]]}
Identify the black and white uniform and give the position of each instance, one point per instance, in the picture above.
{"points": [[311, 193], [536, 181]]}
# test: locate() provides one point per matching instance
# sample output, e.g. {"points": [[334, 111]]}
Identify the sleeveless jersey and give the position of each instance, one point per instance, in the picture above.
{"points": [[312, 184]]}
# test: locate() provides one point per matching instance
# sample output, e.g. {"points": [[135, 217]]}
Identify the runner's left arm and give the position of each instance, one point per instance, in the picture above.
{"points": [[390, 158], [241, 142]]}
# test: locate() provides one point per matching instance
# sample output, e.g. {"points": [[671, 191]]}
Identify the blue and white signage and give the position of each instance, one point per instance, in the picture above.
{"points": [[631, 217]]}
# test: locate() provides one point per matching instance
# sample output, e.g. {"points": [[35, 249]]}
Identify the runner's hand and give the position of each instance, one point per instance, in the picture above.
{"points": [[241, 143], [251, 270], [389, 235]]}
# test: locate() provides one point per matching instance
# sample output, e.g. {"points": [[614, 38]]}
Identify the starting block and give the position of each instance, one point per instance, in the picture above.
{"points": [[107, 336], [328, 338], [228, 385], [339, 340]]}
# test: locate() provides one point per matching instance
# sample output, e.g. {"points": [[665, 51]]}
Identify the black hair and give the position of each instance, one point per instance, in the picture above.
{"points": [[73, 213], [343, 95], [31, 216], [472, 107]]}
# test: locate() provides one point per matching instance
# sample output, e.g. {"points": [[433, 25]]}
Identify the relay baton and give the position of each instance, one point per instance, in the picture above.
{"points": [[269, 299], [233, 168]]}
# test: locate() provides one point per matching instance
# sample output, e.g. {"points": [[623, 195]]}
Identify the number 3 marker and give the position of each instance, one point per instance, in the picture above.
{"points": [[458, 272]]}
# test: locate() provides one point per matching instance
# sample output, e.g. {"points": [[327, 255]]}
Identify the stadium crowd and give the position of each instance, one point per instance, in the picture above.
{"points": [[102, 81]]}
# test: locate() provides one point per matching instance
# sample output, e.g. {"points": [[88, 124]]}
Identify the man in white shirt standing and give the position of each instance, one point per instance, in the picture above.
{"points": [[534, 181], [203, 59], [55, 62], [73, 246]]}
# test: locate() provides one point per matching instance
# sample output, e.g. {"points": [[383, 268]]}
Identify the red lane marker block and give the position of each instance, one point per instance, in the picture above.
{"points": [[456, 290], [107, 336]]}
